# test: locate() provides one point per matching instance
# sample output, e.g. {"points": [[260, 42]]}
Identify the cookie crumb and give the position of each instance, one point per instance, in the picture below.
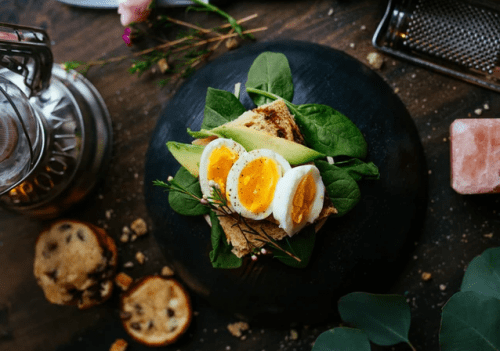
{"points": [[375, 60], [123, 280], [108, 214], [489, 236], [442, 287], [478, 111], [133, 237], [139, 226], [237, 329], [232, 43], [426, 276], [119, 345], [167, 271], [163, 66], [294, 335], [352, 45], [124, 238], [128, 264], [139, 256], [486, 106], [363, 27]]}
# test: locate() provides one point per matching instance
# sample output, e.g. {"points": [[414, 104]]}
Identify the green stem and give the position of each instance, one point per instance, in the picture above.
{"points": [[229, 18]]}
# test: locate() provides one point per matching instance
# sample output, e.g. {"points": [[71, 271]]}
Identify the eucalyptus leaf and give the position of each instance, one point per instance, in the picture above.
{"points": [[342, 339], [483, 274], [183, 203], [220, 107], [341, 188], [324, 129], [270, 72], [470, 321], [384, 318], [301, 245], [359, 170], [221, 255]]}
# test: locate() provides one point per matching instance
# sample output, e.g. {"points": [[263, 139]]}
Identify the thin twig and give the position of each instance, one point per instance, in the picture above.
{"points": [[189, 25]]}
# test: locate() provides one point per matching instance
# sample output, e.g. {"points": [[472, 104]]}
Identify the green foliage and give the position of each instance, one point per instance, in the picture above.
{"points": [[220, 107], [342, 339], [341, 188], [185, 204], [470, 321], [300, 245], [221, 255], [358, 169], [384, 318], [483, 274], [270, 72]]}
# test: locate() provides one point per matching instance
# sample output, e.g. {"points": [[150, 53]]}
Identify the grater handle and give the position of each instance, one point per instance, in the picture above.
{"points": [[26, 51]]}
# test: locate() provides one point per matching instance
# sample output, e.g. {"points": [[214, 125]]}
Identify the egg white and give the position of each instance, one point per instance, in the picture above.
{"points": [[234, 175], [285, 192], [215, 144]]}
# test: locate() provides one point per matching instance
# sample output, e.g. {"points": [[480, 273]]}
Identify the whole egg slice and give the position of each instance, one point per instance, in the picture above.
{"points": [[252, 181], [299, 198], [216, 160]]}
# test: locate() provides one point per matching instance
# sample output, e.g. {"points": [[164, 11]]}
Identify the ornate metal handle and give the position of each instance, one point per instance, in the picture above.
{"points": [[26, 51]]}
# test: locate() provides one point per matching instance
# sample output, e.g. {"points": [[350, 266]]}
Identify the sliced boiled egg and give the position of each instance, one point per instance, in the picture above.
{"points": [[299, 198], [216, 160], [252, 181]]}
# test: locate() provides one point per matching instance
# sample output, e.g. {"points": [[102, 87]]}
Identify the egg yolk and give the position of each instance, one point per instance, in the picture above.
{"points": [[257, 183], [303, 199], [220, 162]]}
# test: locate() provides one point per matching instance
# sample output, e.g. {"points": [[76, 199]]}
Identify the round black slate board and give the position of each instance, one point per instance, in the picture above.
{"points": [[364, 250]]}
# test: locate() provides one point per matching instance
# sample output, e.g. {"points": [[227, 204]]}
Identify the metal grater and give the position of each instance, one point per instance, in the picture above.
{"points": [[455, 37]]}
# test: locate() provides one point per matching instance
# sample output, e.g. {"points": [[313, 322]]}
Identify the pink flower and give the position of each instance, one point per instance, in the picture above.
{"points": [[126, 36], [134, 11]]}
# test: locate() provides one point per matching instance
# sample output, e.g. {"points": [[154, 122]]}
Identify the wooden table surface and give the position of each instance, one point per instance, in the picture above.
{"points": [[447, 243]]}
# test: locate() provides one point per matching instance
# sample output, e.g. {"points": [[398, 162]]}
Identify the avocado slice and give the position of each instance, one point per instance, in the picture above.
{"points": [[187, 155], [252, 139]]}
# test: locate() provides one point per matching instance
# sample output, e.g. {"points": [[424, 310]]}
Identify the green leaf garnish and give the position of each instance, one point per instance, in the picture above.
{"points": [[384, 318], [483, 274], [221, 255], [183, 203], [470, 321], [220, 107], [299, 245], [359, 170], [270, 72], [342, 339]]}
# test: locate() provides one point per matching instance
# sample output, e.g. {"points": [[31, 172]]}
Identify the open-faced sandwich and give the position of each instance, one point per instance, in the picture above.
{"points": [[266, 176]]}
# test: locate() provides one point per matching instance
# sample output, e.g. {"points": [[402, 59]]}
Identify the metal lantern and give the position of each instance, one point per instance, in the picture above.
{"points": [[55, 129]]}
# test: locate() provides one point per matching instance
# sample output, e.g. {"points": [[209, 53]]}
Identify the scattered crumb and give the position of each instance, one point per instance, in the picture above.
{"points": [[352, 45], [108, 214], [163, 66], [133, 237], [294, 335], [478, 111], [489, 236], [396, 90], [167, 271], [139, 256], [330, 11], [237, 329], [426, 276], [442, 287], [429, 172], [232, 43], [375, 60], [486, 106], [126, 230], [444, 139], [119, 345], [128, 264], [123, 280], [363, 27], [139, 226], [124, 238]]}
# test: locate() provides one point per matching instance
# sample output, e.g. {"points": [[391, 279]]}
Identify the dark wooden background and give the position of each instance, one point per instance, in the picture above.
{"points": [[454, 229]]}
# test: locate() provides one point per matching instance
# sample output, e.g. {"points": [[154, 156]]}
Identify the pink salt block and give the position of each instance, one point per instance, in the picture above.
{"points": [[475, 155]]}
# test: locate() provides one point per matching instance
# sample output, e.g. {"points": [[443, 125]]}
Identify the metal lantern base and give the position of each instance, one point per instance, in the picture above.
{"points": [[78, 137]]}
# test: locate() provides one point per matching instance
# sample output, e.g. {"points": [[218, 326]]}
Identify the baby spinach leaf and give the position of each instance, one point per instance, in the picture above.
{"points": [[325, 129], [185, 204], [384, 318], [270, 72], [300, 245], [470, 321], [342, 339], [221, 255], [342, 189], [358, 169], [483, 274], [220, 107]]}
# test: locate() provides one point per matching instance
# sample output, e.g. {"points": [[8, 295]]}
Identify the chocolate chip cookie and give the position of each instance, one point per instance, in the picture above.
{"points": [[156, 311], [75, 263]]}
